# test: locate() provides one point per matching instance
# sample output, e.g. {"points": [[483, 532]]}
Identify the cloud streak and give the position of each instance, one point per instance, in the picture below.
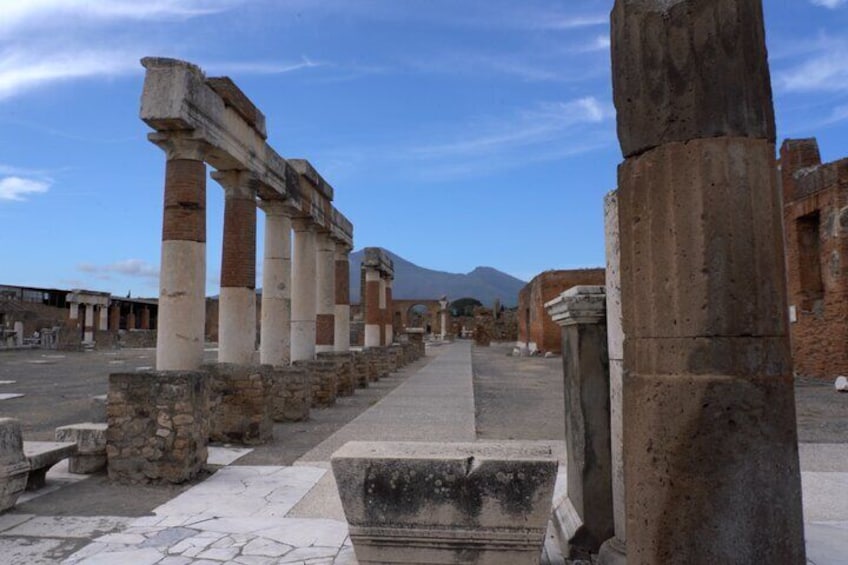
{"points": [[15, 188], [832, 4], [129, 267]]}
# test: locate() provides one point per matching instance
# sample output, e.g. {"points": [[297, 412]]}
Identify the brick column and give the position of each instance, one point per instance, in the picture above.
{"points": [[131, 318], [443, 306], [115, 317], [304, 299], [182, 278], [237, 306], [710, 442], [275, 339], [381, 321], [389, 313], [145, 318], [342, 297], [373, 320], [325, 273]]}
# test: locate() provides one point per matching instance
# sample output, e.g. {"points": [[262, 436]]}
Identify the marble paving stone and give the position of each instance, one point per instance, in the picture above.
{"points": [[8, 521], [218, 455], [33, 551], [146, 556], [304, 553], [9, 395], [68, 526], [308, 532], [260, 547], [255, 560], [219, 553], [825, 496], [827, 543]]}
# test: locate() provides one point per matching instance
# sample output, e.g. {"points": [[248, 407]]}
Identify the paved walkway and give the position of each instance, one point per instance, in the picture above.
{"points": [[257, 515]]}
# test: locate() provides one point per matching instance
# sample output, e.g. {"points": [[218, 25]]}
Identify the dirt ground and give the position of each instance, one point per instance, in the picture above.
{"points": [[515, 397]]}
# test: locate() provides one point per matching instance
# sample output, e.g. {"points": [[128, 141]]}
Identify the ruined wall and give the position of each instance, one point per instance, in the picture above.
{"points": [[535, 327], [815, 197]]}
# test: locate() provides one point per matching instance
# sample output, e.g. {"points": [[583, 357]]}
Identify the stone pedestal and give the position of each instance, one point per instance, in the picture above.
{"points": [[584, 519], [14, 466], [710, 443], [322, 374], [158, 426], [291, 393], [346, 380], [239, 407], [485, 503], [90, 439]]}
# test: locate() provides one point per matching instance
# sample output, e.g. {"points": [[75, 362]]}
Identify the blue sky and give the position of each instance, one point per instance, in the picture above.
{"points": [[456, 133]]}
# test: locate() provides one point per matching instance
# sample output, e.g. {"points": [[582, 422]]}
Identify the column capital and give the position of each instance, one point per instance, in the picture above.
{"points": [[237, 182], [578, 305], [275, 207], [304, 224], [342, 250], [179, 145]]}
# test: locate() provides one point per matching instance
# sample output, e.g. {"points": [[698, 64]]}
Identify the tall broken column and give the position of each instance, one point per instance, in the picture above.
{"points": [[325, 274], [182, 276], [275, 338], [303, 301], [710, 443], [237, 306], [342, 297], [388, 312], [373, 319]]}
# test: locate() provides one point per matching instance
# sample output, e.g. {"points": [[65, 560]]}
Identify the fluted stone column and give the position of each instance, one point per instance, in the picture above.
{"points": [[88, 324], [304, 299], [237, 305], [275, 341], [325, 274], [710, 441], [373, 315], [342, 298], [182, 278], [613, 550], [389, 312]]}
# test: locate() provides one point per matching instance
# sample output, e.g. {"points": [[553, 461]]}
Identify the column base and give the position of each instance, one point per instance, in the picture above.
{"points": [[613, 552]]}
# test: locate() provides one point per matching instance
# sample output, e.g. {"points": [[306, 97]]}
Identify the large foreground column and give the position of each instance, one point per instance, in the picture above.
{"points": [[275, 339], [303, 290], [237, 307], [325, 274], [182, 278], [373, 320], [342, 296], [710, 443]]}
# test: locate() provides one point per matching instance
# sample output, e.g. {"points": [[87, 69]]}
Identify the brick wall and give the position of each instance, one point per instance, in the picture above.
{"points": [[535, 326], [816, 240]]}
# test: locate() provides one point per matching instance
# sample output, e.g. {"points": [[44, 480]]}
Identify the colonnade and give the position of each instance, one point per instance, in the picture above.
{"points": [[379, 273]]}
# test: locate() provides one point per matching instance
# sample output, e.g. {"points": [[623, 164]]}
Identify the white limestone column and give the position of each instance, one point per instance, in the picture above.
{"points": [[104, 317], [373, 318], [389, 312], [325, 273], [237, 306], [88, 324], [73, 314], [443, 304], [304, 296], [275, 339], [182, 278], [342, 331]]}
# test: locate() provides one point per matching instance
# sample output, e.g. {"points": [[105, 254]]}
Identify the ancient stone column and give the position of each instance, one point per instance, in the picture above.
{"points": [[325, 273], [237, 306], [275, 339], [131, 318], [115, 317], [382, 309], [88, 324], [710, 442], [584, 519], [373, 315], [103, 323], [613, 550], [388, 313], [342, 298], [73, 312], [182, 278], [145, 318], [443, 305], [304, 299]]}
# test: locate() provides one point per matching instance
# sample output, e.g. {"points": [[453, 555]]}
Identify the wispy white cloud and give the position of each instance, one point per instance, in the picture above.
{"points": [[823, 69], [832, 4], [127, 267], [18, 188], [261, 67], [597, 43]]}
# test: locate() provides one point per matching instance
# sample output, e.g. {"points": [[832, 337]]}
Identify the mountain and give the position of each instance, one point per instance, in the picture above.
{"points": [[411, 281]]}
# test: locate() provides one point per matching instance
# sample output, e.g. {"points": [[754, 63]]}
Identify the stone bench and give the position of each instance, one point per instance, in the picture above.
{"points": [[14, 466], [91, 446], [42, 455], [410, 502]]}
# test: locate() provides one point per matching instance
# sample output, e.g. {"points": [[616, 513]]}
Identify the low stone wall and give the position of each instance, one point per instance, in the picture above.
{"points": [[359, 363], [158, 426], [290, 394], [346, 381], [14, 467], [239, 404], [137, 338], [322, 374]]}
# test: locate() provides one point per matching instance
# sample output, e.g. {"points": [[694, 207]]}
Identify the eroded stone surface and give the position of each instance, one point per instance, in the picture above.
{"points": [[239, 407], [14, 467]]}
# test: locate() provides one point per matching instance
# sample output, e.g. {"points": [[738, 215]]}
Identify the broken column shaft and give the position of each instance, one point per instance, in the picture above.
{"points": [[710, 443], [303, 305], [342, 298], [325, 273], [275, 339]]}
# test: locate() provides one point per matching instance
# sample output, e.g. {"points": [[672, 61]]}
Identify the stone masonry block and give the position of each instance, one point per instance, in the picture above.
{"points": [[239, 407], [291, 393], [91, 446], [14, 466]]}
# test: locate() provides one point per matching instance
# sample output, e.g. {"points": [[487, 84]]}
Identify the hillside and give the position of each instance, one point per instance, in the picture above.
{"points": [[411, 281]]}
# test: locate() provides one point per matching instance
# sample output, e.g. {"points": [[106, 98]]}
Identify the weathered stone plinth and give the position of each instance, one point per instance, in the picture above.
{"points": [[376, 363], [239, 406], [14, 467], [360, 368], [584, 519], [90, 439], [291, 393], [485, 503], [158, 426], [322, 374], [346, 381]]}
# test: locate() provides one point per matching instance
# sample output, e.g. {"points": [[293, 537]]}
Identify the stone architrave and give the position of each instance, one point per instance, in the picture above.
{"points": [[583, 520], [304, 298], [480, 503], [237, 304], [14, 466], [710, 440], [325, 275], [342, 298], [275, 339]]}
